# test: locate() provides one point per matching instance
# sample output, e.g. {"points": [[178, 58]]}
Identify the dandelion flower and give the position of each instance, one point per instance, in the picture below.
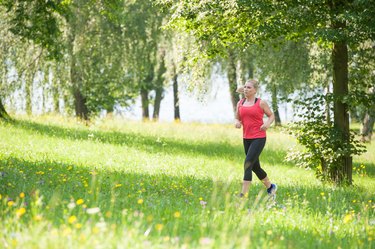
{"points": [[72, 219], [150, 218], [22, 195], [95, 230], [20, 212], [80, 201], [10, 203], [177, 214], [159, 227], [347, 218], [140, 201], [38, 217]]}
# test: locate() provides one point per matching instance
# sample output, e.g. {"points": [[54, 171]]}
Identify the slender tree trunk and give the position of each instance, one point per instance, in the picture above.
{"points": [[343, 172], [145, 101], [80, 102], [159, 88], [176, 101], [327, 106], [56, 89], [28, 89], [29, 81], [232, 79], [79, 99], [275, 105], [145, 89], [368, 121], [368, 126], [157, 102], [3, 112]]}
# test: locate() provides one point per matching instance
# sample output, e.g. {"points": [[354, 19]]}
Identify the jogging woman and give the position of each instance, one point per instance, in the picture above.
{"points": [[249, 115]]}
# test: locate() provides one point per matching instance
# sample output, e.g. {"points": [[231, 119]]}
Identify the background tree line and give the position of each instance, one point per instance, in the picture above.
{"points": [[95, 55]]}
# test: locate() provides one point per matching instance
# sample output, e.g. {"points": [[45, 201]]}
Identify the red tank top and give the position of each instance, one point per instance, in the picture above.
{"points": [[252, 119]]}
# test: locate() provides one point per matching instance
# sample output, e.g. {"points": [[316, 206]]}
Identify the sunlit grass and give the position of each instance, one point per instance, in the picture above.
{"points": [[121, 184]]}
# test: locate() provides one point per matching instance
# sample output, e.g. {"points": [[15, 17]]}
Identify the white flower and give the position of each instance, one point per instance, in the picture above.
{"points": [[94, 210]]}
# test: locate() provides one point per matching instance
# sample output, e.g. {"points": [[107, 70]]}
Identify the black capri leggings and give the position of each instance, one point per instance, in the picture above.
{"points": [[253, 148]]}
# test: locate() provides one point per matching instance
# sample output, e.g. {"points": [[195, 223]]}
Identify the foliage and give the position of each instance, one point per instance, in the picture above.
{"points": [[36, 20], [362, 74], [323, 144]]}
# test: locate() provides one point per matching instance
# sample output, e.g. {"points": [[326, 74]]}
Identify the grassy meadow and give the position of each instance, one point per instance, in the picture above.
{"points": [[126, 184]]}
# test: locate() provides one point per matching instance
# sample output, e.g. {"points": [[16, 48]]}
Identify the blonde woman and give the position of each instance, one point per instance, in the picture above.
{"points": [[249, 116]]}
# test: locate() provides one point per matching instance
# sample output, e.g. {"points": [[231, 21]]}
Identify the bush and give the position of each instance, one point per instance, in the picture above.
{"points": [[324, 145]]}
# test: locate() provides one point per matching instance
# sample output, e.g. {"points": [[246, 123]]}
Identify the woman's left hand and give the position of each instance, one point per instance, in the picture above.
{"points": [[264, 127]]}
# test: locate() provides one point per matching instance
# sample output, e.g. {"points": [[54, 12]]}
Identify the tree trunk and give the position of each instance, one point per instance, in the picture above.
{"points": [[80, 105], [327, 106], [232, 79], [368, 126], [157, 103], [343, 172], [275, 106], [80, 101], [159, 88], [28, 89], [368, 121], [176, 101], [145, 101], [29, 77], [56, 90], [3, 112]]}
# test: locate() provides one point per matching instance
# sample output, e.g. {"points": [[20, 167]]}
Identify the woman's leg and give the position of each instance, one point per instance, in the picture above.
{"points": [[253, 148], [261, 174]]}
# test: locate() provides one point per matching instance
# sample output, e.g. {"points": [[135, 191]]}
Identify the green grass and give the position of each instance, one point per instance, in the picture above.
{"points": [[121, 184]]}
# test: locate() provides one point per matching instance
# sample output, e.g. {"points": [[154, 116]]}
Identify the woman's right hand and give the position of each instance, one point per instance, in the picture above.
{"points": [[237, 124]]}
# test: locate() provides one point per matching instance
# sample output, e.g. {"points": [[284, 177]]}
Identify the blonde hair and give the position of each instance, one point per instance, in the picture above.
{"points": [[254, 82]]}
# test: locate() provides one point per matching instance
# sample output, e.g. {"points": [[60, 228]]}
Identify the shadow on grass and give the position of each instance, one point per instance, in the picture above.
{"points": [[118, 195], [153, 144]]}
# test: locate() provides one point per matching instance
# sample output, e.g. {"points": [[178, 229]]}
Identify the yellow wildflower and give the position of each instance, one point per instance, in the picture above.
{"points": [[95, 230], [159, 227], [72, 219], [38, 217], [149, 218], [347, 218], [177, 214], [140, 201], [20, 212], [22, 195], [80, 201]]}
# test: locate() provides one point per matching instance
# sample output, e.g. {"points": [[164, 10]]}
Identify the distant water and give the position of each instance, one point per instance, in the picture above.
{"points": [[214, 107]]}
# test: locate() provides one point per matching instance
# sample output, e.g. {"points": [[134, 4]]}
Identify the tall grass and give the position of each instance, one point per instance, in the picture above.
{"points": [[122, 184]]}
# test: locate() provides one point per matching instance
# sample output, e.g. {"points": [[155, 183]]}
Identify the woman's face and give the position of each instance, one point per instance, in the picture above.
{"points": [[249, 89]]}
